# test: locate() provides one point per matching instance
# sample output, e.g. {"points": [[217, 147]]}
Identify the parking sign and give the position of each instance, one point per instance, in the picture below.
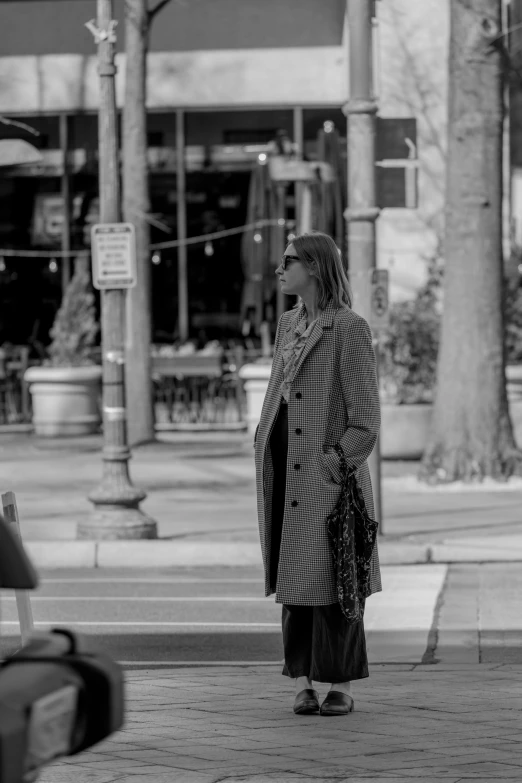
{"points": [[113, 248]]}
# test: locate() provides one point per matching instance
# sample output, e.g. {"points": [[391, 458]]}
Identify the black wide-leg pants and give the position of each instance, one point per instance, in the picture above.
{"points": [[317, 640]]}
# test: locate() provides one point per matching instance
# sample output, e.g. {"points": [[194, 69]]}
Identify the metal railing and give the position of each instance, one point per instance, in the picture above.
{"points": [[15, 400], [194, 389], [198, 390]]}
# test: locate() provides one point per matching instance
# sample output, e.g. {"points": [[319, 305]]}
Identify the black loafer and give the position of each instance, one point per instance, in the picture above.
{"points": [[306, 702], [337, 703]]}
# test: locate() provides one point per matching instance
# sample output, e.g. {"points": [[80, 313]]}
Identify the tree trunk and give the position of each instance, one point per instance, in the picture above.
{"points": [[472, 435], [138, 374]]}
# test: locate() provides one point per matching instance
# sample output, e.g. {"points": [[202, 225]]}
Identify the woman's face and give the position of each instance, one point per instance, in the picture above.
{"points": [[295, 279]]}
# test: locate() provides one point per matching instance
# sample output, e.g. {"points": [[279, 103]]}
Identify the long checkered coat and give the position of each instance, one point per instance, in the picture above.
{"points": [[334, 399]]}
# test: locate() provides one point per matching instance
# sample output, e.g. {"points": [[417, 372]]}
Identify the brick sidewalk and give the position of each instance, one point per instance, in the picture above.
{"points": [[418, 723]]}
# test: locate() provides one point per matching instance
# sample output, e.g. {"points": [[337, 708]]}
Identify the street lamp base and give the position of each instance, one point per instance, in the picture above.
{"points": [[114, 523]]}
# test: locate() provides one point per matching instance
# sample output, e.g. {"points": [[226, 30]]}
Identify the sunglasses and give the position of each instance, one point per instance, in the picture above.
{"points": [[285, 259]]}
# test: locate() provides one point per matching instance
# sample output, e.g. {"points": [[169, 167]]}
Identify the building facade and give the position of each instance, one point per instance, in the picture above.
{"points": [[235, 76]]}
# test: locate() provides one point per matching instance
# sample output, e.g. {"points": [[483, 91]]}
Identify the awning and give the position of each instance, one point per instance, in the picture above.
{"points": [[246, 53], [39, 27]]}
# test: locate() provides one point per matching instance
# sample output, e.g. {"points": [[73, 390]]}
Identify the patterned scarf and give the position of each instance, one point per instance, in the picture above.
{"points": [[291, 354]]}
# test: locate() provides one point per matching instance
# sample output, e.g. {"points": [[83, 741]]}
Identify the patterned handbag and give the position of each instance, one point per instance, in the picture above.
{"points": [[352, 534]]}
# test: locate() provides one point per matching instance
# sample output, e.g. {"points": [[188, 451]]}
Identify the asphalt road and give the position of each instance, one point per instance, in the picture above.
{"points": [[197, 616]]}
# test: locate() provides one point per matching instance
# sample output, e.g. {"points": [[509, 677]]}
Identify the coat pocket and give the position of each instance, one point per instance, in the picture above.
{"points": [[329, 468]]}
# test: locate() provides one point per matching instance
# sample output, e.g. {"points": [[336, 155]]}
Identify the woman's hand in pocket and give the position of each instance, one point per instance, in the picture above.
{"points": [[330, 464]]}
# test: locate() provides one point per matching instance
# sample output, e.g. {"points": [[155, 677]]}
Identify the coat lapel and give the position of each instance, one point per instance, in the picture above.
{"points": [[324, 321]]}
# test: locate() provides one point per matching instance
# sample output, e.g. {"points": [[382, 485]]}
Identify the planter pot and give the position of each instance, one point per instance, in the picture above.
{"points": [[256, 377], [514, 393], [65, 400], [514, 382], [405, 430]]}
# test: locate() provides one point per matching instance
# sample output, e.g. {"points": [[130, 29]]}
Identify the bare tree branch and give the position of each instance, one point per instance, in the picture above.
{"points": [[420, 86], [157, 8]]}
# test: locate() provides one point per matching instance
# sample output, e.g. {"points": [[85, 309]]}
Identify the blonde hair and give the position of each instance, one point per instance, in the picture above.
{"points": [[321, 256]]}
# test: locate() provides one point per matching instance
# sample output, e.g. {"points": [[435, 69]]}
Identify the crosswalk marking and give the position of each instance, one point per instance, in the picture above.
{"points": [[155, 580], [170, 664], [144, 623], [154, 599]]}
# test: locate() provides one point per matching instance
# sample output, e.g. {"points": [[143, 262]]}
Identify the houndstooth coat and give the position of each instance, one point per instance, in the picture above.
{"points": [[334, 399]]}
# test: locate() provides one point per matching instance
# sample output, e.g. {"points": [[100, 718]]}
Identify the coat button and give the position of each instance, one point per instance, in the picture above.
{"points": [[298, 396], [294, 503], [297, 467], [298, 431]]}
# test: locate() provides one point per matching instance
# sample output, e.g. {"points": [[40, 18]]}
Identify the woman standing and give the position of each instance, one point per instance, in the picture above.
{"points": [[322, 392]]}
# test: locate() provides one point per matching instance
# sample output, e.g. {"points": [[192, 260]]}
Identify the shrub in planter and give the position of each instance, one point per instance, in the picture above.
{"points": [[409, 348], [75, 327], [513, 308], [65, 390], [408, 371]]}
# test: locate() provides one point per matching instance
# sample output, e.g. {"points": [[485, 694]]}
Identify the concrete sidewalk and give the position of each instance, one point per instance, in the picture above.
{"points": [[201, 491]]}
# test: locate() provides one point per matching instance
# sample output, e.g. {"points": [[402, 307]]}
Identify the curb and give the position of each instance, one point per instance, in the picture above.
{"points": [[173, 554]]}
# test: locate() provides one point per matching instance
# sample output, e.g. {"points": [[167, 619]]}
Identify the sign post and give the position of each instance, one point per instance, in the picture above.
{"points": [[113, 248], [379, 321], [363, 210], [116, 501]]}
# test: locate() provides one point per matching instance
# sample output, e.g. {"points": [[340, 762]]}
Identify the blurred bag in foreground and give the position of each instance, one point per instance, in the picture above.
{"points": [[58, 695]]}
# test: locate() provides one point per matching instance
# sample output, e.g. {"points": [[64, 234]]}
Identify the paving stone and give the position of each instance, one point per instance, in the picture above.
{"points": [[469, 728]]}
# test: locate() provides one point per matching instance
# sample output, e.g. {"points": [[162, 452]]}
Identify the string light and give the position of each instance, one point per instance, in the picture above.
{"points": [[156, 257], [196, 240], [328, 126], [209, 249], [262, 157], [53, 266], [258, 238], [8, 252]]}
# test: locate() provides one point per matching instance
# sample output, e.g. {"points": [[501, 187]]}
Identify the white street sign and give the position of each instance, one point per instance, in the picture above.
{"points": [[113, 248], [380, 299]]}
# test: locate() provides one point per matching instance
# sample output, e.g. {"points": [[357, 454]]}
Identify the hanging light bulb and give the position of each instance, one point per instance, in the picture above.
{"points": [[53, 266], [258, 238], [156, 257], [209, 249], [291, 237], [262, 158], [281, 222], [2, 264], [328, 126]]}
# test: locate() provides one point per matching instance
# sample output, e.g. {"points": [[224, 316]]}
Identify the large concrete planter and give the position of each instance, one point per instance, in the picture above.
{"points": [[404, 430], [65, 400], [514, 393], [256, 377]]}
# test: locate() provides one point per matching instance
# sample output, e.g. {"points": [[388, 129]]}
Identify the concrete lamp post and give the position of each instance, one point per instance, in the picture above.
{"points": [[116, 500]]}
